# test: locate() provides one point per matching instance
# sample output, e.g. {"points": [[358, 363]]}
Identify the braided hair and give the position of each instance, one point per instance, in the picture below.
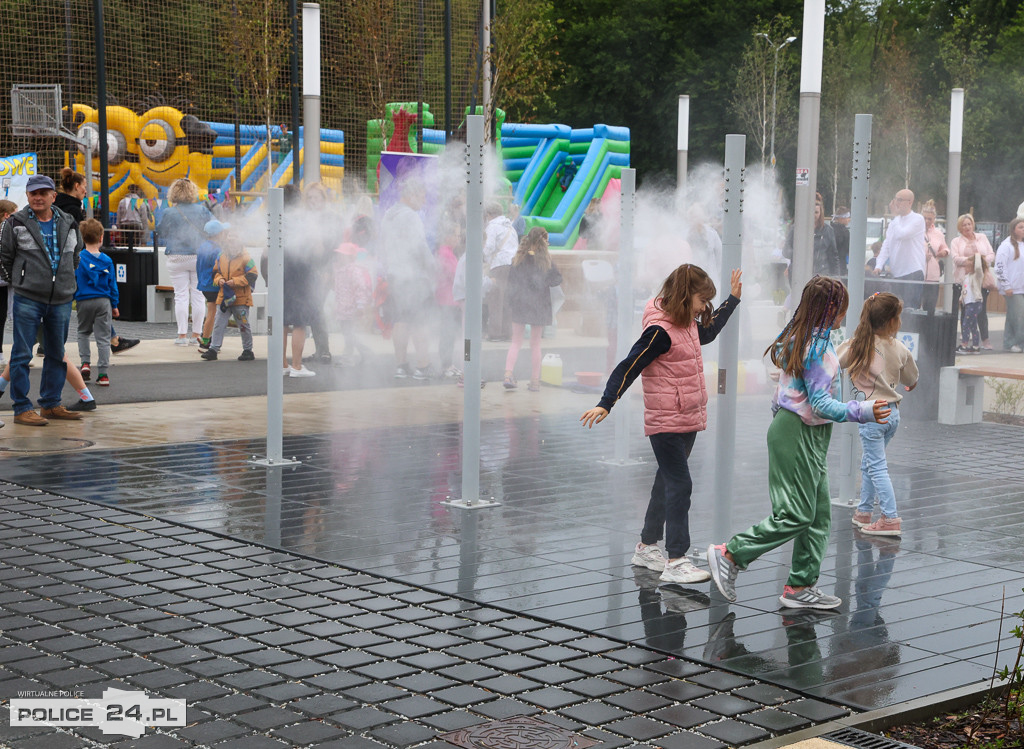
{"points": [[677, 298], [822, 304]]}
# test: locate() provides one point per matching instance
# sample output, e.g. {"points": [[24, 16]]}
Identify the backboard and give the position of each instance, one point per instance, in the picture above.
{"points": [[36, 109]]}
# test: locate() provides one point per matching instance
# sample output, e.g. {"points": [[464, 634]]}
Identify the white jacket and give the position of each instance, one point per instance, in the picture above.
{"points": [[1010, 271]]}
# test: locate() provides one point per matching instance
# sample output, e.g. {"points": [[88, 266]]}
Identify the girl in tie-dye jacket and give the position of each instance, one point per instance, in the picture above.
{"points": [[798, 439]]}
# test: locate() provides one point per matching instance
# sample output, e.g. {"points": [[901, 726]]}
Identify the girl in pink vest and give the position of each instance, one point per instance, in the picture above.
{"points": [[805, 408], [676, 323]]}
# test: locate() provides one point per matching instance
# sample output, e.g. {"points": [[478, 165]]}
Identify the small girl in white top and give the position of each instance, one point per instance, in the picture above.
{"points": [[1010, 277]]}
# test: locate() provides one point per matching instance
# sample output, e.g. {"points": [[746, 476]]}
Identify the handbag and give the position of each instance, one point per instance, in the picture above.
{"points": [[989, 281]]}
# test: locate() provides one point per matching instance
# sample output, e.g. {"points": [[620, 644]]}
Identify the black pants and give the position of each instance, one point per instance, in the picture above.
{"points": [[668, 512], [910, 293]]}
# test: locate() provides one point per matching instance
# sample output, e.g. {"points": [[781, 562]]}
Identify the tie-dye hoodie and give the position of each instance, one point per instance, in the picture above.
{"points": [[813, 396]]}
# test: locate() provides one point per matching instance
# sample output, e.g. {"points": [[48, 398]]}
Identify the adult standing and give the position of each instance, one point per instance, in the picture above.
{"points": [[903, 248], [39, 250], [826, 254], [71, 194], [325, 233], [133, 216], [181, 228], [935, 249], [1010, 276], [411, 275], [963, 248], [841, 228], [501, 243]]}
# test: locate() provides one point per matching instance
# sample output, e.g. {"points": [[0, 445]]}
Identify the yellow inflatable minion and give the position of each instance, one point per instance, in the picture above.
{"points": [[122, 148], [172, 145]]}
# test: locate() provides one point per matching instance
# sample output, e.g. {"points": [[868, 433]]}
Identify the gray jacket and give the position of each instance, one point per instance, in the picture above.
{"points": [[25, 265]]}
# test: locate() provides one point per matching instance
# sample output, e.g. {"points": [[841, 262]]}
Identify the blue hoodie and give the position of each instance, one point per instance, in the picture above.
{"points": [[96, 277]]}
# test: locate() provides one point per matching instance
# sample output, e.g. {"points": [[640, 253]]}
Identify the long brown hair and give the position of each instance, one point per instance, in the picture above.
{"points": [[877, 317], [824, 300], [1013, 239], [534, 248], [677, 298]]}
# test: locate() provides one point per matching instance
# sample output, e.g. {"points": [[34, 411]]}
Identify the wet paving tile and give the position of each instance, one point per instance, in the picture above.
{"points": [[559, 544]]}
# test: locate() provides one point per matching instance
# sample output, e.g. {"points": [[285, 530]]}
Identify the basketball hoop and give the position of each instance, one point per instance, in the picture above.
{"points": [[36, 110]]}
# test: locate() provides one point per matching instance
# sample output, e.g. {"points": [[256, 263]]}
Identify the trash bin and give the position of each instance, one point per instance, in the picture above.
{"points": [[936, 348], [135, 271]]}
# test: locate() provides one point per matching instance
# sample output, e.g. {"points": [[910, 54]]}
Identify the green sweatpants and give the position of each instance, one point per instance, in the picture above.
{"points": [[801, 508]]}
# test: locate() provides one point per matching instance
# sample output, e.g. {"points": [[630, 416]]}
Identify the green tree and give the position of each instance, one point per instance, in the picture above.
{"points": [[756, 87], [523, 58]]}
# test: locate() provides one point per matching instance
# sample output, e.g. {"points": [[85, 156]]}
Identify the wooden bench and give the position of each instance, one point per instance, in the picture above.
{"points": [[962, 392]]}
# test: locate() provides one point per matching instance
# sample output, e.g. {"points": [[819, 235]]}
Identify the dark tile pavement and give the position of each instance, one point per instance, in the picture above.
{"points": [[275, 649], [921, 614]]}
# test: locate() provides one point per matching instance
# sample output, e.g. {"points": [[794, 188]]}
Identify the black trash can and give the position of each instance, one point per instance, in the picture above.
{"points": [[936, 348], [135, 271]]}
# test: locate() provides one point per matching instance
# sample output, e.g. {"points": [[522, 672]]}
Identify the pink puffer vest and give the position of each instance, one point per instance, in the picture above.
{"points": [[675, 398]]}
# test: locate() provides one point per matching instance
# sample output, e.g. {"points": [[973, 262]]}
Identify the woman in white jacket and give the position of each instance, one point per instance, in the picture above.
{"points": [[1010, 276]]}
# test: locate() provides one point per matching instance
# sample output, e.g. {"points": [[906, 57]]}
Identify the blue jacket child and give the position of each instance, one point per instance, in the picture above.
{"points": [[96, 301], [96, 278]]}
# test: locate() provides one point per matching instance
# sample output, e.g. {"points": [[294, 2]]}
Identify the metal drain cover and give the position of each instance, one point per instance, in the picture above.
{"points": [[517, 733], [863, 740], [42, 443]]}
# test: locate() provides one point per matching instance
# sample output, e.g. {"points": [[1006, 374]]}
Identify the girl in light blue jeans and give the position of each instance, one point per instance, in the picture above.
{"points": [[878, 363]]}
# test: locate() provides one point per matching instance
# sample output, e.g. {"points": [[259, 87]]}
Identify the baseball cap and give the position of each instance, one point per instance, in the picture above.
{"points": [[39, 182], [214, 227]]}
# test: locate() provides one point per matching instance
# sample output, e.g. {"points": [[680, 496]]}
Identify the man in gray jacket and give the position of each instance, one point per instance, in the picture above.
{"points": [[39, 249]]}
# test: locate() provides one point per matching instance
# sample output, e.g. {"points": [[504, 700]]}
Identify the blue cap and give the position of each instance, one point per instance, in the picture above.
{"points": [[39, 182], [214, 227]]}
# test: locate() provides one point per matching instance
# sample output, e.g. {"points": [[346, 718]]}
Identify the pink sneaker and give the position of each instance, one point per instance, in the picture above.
{"points": [[860, 519], [883, 527]]}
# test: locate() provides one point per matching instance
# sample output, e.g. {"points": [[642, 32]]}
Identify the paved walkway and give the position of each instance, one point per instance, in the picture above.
{"points": [[578, 638]]}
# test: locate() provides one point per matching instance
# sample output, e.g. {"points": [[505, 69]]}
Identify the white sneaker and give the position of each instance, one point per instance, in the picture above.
{"points": [[682, 571], [302, 372], [181, 341], [1016, 349], [650, 557]]}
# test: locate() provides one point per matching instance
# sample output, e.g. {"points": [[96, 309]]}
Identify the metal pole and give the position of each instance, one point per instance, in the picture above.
{"points": [[293, 11], [419, 82], [624, 338], [101, 105], [70, 97], [485, 45], [275, 330], [956, 136], [474, 317], [729, 338], [88, 180], [807, 146], [448, 129], [311, 92], [682, 149], [855, 269], [775, 91]]}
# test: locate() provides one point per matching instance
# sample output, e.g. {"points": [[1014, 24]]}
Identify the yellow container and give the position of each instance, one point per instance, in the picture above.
{"points": [[551, 369]]}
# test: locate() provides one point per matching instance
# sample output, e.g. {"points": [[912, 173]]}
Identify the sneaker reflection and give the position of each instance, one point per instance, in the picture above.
{"points": [[663, 608]]}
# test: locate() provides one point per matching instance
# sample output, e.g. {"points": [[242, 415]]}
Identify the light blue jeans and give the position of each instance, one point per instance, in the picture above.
{"points": [[874, 470]]}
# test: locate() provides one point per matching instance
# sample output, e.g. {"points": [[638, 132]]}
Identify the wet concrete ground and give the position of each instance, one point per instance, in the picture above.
{"points": [[920, 614]]}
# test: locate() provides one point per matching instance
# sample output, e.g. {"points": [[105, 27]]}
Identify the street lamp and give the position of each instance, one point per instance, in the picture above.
{"points": [[775, 83]]}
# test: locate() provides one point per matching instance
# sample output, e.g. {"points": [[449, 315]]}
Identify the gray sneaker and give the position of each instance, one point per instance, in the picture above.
{"points": [[723, 572], [808, 598]]}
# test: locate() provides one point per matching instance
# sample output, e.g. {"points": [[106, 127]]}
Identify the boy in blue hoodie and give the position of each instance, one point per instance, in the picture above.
{"points": [[95, 299]]}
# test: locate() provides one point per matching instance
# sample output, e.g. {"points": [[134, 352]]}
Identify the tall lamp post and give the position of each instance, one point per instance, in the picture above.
{"points": [[775, 82]]}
